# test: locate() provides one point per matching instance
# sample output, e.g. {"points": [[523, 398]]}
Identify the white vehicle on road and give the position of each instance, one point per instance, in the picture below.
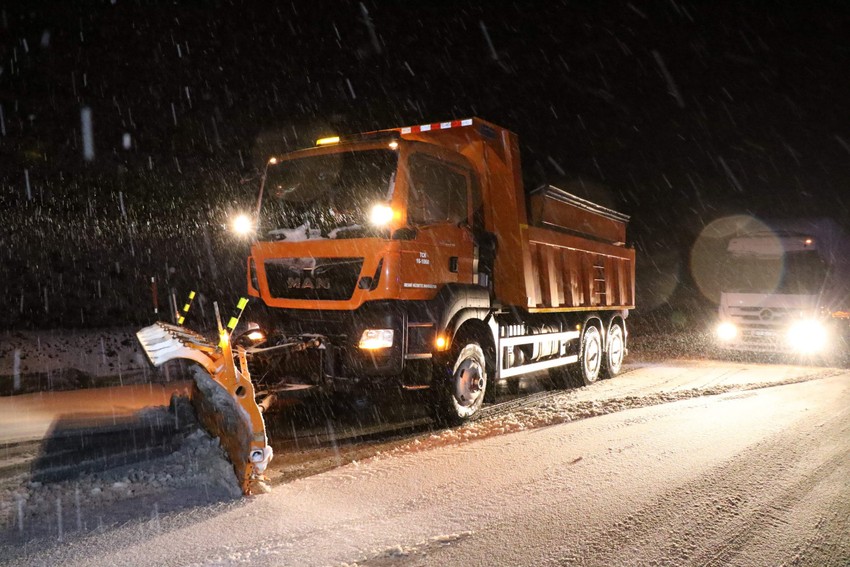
{"points": [[785, 289]]}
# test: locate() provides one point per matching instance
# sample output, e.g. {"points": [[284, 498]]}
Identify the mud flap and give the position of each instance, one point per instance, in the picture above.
{"points": [[223, 398]]}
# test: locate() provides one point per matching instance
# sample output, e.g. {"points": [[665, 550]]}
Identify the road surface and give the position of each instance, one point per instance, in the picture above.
{"points": [[682, 463]]}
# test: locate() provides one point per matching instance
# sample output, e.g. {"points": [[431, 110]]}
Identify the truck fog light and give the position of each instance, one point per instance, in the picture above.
{"points": [[373, 339], [807, 336], [727, 331], [256, 336]]}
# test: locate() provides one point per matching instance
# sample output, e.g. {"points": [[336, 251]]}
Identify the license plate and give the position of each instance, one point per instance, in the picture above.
{"points": [[763, 333]]}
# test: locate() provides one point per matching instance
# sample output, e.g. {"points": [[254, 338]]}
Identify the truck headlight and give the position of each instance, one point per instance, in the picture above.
{"points": [[726, 331], [242, 225], [807, 336], [373, 339], [381, 215]]}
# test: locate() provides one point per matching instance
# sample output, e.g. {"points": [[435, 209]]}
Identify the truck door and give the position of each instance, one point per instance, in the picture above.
{"points": [[440, 199]]}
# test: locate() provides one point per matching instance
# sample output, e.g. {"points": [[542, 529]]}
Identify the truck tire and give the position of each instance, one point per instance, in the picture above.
{"points": [[586, 372], [460, 391], [615, 350]]}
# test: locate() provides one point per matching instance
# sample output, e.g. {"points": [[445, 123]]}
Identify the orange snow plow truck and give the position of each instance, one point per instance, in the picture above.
{"points": [[410, 258]]}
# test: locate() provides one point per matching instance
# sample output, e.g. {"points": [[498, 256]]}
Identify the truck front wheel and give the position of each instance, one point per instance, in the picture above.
{"points": [[460, 394]]}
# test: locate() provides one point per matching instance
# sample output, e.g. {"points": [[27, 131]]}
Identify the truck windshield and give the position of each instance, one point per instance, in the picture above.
{"points": [[326, 196], [793, 273]]}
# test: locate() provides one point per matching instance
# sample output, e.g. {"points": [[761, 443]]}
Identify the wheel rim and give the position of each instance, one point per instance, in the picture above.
{"points": [[592, 354], [615, 348], [470, 381]]}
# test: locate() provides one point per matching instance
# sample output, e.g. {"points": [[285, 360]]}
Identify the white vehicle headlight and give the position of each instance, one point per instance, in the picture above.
{"points": [[726, 331], [807, 336], [373, 339]]}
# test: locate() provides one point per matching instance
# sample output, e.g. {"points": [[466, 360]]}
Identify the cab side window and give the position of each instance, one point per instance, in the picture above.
{"points": [[438, 191]]}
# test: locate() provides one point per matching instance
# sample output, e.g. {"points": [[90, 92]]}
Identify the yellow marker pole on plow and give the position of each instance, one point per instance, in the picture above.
{"points": [[225, 332], [182, 315], [235, 320]]}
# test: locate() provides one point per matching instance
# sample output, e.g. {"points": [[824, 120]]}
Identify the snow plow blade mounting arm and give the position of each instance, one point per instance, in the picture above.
{"points": [[223, 397]]}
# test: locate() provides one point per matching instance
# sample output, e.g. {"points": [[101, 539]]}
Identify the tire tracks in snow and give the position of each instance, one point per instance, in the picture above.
{"points": [[769, 515], [712, 520], [828, 546]]}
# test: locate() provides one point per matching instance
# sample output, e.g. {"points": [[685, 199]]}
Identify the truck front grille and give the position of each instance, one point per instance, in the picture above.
{"points": [[762, 328], [763, 315], [328, 279]]}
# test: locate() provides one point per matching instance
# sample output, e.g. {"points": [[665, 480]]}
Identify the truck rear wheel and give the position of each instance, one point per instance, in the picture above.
{"points": [[615, 351], [589, 364], [460, 394]]}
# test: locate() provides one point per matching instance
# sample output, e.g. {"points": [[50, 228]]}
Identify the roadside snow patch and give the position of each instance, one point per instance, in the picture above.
{"points": [[197, 473]]}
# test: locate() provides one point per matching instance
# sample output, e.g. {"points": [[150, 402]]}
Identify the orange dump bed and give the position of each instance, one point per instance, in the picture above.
{"points": [[555, 251], [576, 254]]}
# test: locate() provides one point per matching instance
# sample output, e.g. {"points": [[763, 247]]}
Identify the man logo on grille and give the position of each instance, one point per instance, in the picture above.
{"points": [[308, 283]]}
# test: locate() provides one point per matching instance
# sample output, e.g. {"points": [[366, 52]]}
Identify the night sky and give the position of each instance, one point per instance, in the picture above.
{"points": [[674, 112]]}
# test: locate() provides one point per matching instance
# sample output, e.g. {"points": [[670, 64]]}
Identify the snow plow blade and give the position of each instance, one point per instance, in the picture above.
{"points": [[223, 397]]}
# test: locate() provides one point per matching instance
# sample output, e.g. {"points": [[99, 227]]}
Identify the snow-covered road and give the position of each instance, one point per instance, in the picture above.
{"points": [[750, 476]]}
